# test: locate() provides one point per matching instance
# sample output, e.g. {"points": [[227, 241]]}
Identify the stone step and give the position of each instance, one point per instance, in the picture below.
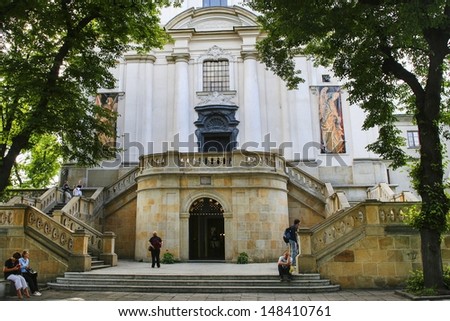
{"points": [[225, 277], [303, 283], [218, 288], [187, 282]]}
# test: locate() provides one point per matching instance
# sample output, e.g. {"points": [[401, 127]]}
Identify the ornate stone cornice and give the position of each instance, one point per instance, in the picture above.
{"points": [[140, 58]]}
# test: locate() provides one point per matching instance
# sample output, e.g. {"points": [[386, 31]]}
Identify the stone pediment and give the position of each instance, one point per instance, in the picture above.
{"points": [[212, 19]]}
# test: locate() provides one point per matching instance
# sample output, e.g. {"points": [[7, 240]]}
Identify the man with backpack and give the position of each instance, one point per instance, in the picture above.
{"points": [[290, 236]]}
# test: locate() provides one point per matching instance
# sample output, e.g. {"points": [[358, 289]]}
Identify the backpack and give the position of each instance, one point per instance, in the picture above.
{"points": [[287, 235]]}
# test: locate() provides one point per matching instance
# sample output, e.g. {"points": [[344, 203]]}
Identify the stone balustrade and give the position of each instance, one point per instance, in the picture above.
{"points": [[308, 182], [324, 240], [120, 186], [235, 160], [381, 192], [50, 229]]}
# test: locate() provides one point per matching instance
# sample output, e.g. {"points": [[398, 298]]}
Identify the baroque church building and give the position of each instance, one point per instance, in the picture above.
{"points": [[219, 147], [219, 157]]}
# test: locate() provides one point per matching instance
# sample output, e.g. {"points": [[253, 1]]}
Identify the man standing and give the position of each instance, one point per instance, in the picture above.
{"points": [[293, 244], [155, 249]]}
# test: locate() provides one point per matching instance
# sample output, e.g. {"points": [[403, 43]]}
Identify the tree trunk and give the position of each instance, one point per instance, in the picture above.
{"points": [[431, 258], [7, 162]]}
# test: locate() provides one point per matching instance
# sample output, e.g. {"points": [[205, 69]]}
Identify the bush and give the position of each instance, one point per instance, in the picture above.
{"points": [[447, 275], [168, 258], [242, 258], [415, 283]]}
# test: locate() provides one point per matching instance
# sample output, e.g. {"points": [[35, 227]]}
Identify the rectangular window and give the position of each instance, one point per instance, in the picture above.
{"points": [[216, 75], [214, 3], [413, 139]]}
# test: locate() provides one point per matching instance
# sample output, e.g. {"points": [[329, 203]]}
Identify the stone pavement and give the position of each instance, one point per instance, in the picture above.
{"points": [[343, 295], [198, 268]]}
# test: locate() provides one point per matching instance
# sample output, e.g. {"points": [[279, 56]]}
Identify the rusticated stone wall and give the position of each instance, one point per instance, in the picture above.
{"points": [[255, 212], [120, 217], [368, 246], [13, 239]]}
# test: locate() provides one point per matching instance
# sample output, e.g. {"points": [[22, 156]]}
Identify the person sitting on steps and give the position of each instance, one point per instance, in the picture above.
{"points": [[29, 274], [284, 266], [11, 271]]}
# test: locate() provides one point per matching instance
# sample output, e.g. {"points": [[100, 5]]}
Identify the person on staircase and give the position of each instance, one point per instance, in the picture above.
{"points": [[77, 191], [66, 192], [293, 243], [29, 274], [284, 266], [155, 248], [11, 272]]}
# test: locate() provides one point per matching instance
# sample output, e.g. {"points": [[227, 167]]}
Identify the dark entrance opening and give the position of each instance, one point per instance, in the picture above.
{"points": [[216, 128], [206, 230], [220, 142]]}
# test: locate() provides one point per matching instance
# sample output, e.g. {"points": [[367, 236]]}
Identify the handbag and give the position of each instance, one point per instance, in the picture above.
{"points": [[150, 248]]}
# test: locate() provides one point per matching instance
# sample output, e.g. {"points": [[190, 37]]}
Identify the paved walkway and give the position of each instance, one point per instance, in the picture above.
{"points": [[131, 267]]}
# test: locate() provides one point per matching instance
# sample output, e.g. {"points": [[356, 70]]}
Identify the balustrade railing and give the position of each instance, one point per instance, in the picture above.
{"points": [[324, 238], [307, 182], [382, 192], [235, 159], [49, 228], [65, 234], [95, 238], [119, 187]]}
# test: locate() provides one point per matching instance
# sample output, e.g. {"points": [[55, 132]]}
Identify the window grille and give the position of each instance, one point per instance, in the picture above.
{"points": [[216, 75]]}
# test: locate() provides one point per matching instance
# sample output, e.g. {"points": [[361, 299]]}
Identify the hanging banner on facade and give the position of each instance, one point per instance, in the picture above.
{"points": [[331, 122], [109, 101]]}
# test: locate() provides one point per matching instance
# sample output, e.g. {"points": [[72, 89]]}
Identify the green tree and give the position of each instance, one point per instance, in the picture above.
{"points": [[38, 167], [54, 55], [390, 53]]}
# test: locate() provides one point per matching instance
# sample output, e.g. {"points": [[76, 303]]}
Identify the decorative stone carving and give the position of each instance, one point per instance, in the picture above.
{"points": [[216, 98]]}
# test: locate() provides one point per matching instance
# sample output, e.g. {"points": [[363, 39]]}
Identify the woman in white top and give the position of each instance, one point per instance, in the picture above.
{"points": [[28, 273]]}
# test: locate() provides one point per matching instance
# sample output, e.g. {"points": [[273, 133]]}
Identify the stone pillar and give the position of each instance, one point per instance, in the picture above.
{"points": [[80, 260], [306, 262], [109, 244], [184, 236], [57, 216], [181, 101], [252, 112], [229, 237], [137, 114]]}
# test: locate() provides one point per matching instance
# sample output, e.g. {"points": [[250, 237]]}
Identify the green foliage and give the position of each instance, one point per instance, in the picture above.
{"points": [[168, 258], [38, 167], [447, 276], [54, 57], [242, 258], [417, 218], [415, 283]]}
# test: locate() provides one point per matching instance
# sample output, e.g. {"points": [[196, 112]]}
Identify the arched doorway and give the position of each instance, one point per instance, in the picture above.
{"points": [[206, 230]]}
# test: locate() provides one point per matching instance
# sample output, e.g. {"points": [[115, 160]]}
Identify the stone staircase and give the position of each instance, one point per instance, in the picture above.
{"points": [[301, 283], [57, 207], [96, 263]]}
